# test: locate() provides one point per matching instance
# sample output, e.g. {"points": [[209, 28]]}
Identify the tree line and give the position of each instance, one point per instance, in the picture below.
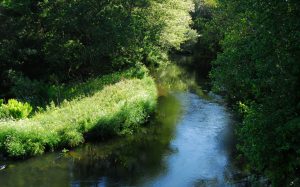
{"points": [[50, 43], [254, 47]]}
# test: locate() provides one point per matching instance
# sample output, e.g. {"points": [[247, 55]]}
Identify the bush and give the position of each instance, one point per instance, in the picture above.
{"points": [[14, 109]]}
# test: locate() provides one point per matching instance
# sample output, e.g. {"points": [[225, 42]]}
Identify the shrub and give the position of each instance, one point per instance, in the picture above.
{"points": [[15, 109]]}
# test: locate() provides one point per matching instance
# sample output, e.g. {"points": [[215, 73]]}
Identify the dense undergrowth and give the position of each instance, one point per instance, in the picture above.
{"points": [[108, 110]]}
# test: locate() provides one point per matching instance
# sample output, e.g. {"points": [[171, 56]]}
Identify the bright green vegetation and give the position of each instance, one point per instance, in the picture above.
{"points": [[258, 68], [58, 94], [117, 109], [14, 109]]}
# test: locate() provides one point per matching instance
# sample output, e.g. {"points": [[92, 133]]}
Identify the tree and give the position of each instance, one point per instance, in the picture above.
{"points": [[55, 42], [259, 70]]}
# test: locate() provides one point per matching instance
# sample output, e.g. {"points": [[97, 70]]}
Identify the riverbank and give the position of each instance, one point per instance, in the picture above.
{"points": [[185, 140], [116, 104]]}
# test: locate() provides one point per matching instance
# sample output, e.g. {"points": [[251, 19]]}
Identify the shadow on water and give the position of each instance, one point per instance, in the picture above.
{"points": [[184, 145], [124, 161]]}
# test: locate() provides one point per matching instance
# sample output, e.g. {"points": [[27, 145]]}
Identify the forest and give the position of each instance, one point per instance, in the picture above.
{"points": [[72, 70]]}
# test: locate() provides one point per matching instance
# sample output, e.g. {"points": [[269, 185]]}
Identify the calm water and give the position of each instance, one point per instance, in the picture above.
{"points": [[184, 145]]}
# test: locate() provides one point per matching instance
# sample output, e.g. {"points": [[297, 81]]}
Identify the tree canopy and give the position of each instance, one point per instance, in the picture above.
{"points": [[61, 41]]}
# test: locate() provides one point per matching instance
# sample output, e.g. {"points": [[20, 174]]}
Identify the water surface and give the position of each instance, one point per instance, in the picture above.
{"points": [[183, 145]]}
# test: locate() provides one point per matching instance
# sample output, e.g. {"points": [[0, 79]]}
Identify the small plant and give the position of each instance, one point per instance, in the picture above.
{"points": [[15, 109]]}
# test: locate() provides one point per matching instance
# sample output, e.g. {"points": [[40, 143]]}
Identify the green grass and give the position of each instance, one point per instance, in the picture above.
{"points": [[115, 109], [90, 87]]}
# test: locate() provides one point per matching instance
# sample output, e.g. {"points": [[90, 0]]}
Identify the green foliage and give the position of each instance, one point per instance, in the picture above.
{"points": [[40, 94], [258, 69], [208, 23], [14, 109], [113, 110], [54, 42], [37, 93], [174, 15]]}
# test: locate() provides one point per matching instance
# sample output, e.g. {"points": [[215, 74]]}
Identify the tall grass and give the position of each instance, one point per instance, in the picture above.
{"points": [[117, 109], [95, 84]]}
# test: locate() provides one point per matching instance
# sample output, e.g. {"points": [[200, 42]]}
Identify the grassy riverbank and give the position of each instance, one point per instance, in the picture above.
{"points": [[108, 110]]}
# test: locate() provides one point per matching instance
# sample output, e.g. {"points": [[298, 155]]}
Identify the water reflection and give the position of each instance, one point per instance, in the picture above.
{"points": [[117, 162], [129, 161], [174, 78], [183, 146], [201, 157]]}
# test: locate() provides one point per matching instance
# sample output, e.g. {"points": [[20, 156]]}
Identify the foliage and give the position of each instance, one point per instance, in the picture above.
{"points": [[174, 14], [206, 23], [116, 109], [48, 43], [14, 109], [40, 94], [258, 68]]}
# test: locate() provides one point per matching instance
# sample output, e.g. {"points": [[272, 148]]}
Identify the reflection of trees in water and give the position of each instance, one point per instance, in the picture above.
{"points": [[173, 77], [134, 159], [44, 171], [177, 78], [128, 161]]}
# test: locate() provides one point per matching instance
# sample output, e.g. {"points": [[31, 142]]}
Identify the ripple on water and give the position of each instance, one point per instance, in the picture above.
{"points": [[201, 159]]}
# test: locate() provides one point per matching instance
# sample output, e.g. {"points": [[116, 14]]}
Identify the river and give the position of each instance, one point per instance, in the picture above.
{"points": [[185, 144]]}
